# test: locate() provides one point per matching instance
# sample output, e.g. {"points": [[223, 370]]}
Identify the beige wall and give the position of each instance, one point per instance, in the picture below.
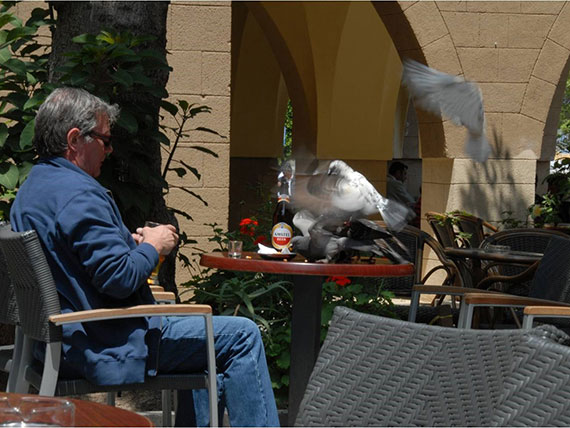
{"points": [[198, 41]]}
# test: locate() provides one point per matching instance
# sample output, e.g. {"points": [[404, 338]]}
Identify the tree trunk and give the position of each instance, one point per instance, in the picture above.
{"points": [[139, 18]]}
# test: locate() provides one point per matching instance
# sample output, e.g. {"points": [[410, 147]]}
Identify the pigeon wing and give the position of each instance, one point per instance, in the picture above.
{"points": [[453, 97]]}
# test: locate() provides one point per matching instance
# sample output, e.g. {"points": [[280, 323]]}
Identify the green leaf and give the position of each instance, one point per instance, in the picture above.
{"points": [[23, 171], [128, 122], [84, 38], [36, 100], [169, 107], [123, 77], [9, 175], [3, 134], [183, 104], [5, 55], [6, 19], [16, 66], [27, 135]]}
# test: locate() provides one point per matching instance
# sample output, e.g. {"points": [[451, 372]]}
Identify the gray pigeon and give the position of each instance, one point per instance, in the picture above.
{"points": [[332, 239], [453, 97], [343, 192]]}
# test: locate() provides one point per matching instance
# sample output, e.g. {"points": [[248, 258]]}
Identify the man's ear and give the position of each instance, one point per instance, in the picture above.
{"points": [[73, 136]]}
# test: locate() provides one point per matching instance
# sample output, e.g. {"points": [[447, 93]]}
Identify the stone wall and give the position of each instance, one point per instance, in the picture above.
{"points": [[198, 42]]}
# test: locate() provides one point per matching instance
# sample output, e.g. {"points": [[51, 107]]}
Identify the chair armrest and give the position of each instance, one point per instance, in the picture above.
{"points": [[501, 299], [156, 288], [523, 276], [447, 289], [130, 312], [490, 226], [164, 296], [549, 311]]}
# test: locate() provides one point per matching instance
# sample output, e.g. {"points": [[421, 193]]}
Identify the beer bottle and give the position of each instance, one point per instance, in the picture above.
{"points": [[282, 230]]}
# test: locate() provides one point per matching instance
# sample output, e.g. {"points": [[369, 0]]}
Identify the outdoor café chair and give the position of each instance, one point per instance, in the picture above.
{"points": [[10, 354], [550, 285], [417, 241], [477, 228], [517, 278], [376, 371], [41, 320]]}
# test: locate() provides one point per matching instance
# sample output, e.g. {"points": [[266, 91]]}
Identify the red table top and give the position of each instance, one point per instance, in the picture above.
{"points": [[252, 262], [92, 414]]}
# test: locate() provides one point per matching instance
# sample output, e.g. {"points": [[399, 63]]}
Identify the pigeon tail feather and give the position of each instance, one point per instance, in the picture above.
{"points": [[477, 147], [395, 214]]}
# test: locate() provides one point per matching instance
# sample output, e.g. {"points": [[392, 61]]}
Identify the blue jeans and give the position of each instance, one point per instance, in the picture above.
{"points": [[244, 386]]}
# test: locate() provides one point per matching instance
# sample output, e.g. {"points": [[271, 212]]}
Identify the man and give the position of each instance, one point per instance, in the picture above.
{"points": [[96, 262], [395, 189]]}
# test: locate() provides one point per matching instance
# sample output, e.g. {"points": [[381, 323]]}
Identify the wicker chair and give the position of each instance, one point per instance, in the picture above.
{"points": [[375, 371], [9, 354], [41, 318], [443, 230], [476, 227], [521, 239]]}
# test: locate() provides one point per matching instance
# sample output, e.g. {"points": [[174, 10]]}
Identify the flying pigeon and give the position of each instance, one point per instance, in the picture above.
{"points": [[453, 97], [331, 239], [345, 193]]}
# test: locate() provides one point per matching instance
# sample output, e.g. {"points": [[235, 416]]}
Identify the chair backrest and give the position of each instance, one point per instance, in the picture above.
{"points": [[521, 239], [551, 280], [442, 229], [408, 236], [415, 241], [475, 227], [33, 284], [8, 306], [375, 371]]}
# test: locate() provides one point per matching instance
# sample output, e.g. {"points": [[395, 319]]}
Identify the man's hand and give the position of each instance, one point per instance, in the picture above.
{"points": [[163, 238]]}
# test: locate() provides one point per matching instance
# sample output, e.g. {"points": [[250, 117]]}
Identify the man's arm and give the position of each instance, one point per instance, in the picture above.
{"points": [[90, 227]]}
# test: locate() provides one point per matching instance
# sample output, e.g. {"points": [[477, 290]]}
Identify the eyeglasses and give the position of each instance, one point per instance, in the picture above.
{"points": [[107, 140]]}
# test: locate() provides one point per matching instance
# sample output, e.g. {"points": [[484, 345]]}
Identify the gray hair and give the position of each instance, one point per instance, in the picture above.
{"points": [[65, 109]]}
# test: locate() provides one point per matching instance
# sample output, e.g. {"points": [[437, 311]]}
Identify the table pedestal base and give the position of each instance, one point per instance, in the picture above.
{"points": [[305, 337]]}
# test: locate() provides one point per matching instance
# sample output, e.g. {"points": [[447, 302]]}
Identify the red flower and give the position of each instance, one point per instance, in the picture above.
{"points": [[247, 226], [341, 281]]}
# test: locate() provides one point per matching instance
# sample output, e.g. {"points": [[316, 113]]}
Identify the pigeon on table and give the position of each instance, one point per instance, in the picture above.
{"points": [[453, 97], [333, 239], [344, 193]]}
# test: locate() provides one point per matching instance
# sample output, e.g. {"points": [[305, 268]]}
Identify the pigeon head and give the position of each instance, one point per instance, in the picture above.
{"points": [[338, 167]]}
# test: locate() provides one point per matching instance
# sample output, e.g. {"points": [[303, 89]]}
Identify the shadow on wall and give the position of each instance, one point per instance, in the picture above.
{"points": [[491, 188]]}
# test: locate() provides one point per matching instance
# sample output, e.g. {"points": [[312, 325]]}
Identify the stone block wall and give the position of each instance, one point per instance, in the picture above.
{"points": [[198, 43]]}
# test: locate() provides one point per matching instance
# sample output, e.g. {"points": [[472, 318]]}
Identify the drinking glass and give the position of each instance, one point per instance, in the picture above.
{"points": [[234, 249], [153, 278], [21, 411]]}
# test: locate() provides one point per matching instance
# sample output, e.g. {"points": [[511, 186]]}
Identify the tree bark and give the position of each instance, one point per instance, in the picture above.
{"points": [[138, 18]]}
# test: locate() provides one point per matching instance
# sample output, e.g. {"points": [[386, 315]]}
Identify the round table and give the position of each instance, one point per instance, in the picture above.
{"points": [[91, 414], [307, 281]]}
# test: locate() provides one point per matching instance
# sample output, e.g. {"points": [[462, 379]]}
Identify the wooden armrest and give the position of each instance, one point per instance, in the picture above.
{"points": [[490, 226], [130, 312], [501, 299], [156, 288], [446, 289], [523, 276], [563, 311], [164, 295]]}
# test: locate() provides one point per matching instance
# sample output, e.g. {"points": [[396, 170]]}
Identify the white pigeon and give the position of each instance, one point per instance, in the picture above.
{"points": [[453, 97], [344, 192]]}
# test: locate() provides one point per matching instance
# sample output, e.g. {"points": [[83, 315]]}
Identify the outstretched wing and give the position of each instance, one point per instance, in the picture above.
{"points": [[453, 97]]}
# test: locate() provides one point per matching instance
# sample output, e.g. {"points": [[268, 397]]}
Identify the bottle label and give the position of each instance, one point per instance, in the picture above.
{"points": [[281, 235]]}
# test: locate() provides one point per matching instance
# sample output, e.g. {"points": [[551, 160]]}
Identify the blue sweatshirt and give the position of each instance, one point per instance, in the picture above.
{"points": [[96, 264]]}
